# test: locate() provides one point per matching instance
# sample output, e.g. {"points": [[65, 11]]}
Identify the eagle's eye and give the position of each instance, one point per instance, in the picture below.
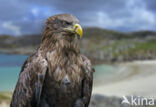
{"points": [[65, 23]]}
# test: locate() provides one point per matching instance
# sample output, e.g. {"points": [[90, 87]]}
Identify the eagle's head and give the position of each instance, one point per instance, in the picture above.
{"points": [[64, 25], [63, 30]]}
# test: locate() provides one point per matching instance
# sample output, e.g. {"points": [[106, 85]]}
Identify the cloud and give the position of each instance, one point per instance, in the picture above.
{"points": [[134, 17], [12, 28], [150, 5], [28, 16]]}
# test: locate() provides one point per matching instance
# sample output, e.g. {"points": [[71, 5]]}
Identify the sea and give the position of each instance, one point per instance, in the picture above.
{"points": [[10, 66]]}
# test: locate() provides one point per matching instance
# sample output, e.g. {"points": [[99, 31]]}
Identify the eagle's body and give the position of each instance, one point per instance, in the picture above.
{"points": [[56, 75]]}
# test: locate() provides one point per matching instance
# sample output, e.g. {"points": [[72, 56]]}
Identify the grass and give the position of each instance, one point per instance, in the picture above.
{"points": [[5, 96], [144, 48], [150, 45]]}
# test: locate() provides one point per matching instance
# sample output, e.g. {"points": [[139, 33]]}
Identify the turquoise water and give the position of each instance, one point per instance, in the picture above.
{"points": [[103, 70], [12, 60], [10, 66], [8, 78]]}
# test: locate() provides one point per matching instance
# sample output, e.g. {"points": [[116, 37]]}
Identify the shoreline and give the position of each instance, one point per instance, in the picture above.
{"points": [[28, 51], [131, 78]]}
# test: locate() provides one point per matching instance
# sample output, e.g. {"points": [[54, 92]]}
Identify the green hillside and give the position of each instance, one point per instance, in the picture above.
{"points": [[100, 45]]}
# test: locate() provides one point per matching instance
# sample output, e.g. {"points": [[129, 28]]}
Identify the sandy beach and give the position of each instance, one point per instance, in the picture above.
{"points": [[133, 78]]}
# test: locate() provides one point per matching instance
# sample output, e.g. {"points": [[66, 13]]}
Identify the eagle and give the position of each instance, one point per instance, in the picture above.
{"points": [[56, 74]]}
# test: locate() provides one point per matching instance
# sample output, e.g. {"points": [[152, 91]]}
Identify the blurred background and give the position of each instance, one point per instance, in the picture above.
{"points": [[119, 38]]}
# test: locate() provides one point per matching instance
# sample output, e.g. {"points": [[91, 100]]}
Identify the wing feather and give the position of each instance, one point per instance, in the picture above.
{"points": [[88, 81], [29, 85]]}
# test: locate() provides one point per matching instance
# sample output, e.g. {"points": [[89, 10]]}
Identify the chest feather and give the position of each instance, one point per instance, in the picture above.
{"points": [[65, 70]]}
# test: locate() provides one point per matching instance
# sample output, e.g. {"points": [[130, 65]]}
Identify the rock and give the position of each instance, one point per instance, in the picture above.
{"points": [[105, 101]]}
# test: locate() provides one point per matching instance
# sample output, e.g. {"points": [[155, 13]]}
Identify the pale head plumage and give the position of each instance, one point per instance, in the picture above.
{"points": [[59, 31]]}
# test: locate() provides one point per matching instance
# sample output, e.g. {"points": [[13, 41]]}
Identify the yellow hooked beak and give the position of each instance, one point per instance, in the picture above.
{"points": [[75, 29], [78, 29]]}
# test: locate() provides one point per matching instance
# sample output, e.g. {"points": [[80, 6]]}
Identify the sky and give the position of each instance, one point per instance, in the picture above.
{"points": [[19, 17]]}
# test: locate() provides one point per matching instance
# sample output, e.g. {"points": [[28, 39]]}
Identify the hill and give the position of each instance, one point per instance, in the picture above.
{"points": [[100, 45]]}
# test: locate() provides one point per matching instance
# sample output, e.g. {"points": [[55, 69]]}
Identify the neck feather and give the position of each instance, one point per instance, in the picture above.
{"points": [[60, 44]]}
